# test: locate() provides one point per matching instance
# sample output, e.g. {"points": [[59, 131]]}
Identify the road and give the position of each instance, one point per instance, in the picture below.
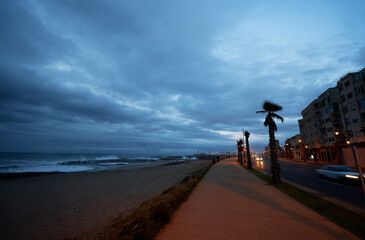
{"points": [[305, 175]]}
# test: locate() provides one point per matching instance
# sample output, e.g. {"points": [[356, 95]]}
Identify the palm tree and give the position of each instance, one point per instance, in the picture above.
{"points": [[270, 109], [249, 162], [240, 149]]}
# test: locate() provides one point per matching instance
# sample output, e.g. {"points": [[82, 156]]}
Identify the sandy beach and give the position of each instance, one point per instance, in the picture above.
{"points": [[81, 204]]}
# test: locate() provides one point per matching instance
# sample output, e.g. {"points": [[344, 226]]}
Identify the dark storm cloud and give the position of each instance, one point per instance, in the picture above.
{"points": [[24, 39], [122, 76], [35, 91]]}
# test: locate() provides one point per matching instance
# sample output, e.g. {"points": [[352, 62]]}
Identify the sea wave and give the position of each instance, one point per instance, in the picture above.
{"points": [[96, 162], [67, 162], [109, 157]]}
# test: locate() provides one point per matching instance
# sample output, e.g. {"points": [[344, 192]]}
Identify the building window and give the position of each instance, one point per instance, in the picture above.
{"points": [[355, 120], [351, 134], [343, 98], [340, 87], [356, 78], [345, 109], [362, 103], [324, 102], [347, 83], [348, 121], [349, 95], [358, 134], [353, 107], [357, 91], [331, 109]]}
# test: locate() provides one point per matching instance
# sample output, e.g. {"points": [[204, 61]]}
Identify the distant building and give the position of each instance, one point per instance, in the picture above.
{"points": [[293, 147], [267, 149]]}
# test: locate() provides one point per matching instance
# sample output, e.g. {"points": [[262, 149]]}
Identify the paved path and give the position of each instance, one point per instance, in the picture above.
{"points": [[231, 203]]}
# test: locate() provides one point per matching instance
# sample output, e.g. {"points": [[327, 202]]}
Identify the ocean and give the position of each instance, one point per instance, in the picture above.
{"points": [[72, 162]]}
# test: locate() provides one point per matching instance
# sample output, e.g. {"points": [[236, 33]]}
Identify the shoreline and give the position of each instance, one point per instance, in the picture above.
{"points": [[59, 206], [117, 167]]}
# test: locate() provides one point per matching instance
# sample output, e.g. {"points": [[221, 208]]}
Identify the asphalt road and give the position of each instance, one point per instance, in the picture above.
{"points": [[305, 175]]}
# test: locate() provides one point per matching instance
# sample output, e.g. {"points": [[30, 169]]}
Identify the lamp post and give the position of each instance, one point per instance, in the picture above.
{"points": [[340, 142]]}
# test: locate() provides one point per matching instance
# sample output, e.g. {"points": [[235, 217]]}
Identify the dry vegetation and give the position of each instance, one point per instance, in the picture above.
{"points": [[145, 221]]}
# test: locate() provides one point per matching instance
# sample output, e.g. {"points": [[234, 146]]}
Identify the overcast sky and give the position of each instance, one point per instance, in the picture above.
{"points": [[166, 77]]}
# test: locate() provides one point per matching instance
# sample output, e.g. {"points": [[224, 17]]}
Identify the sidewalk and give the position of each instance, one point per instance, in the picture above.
{"points": [[232, 203]]}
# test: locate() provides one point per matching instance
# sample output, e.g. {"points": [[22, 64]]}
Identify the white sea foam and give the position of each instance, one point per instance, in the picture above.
{"points": [[109, 157], [113, 163], [146, 158], [186, 158]]}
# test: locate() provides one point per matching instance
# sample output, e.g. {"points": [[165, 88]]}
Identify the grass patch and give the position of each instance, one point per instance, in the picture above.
{"points": [[145, 221], [351, 221]]}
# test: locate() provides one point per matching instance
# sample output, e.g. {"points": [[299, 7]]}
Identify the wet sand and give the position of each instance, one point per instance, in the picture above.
{"points": [[81, 204]]}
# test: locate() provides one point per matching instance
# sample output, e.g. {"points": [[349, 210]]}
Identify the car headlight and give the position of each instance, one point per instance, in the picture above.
{"points": [[352, 176]]}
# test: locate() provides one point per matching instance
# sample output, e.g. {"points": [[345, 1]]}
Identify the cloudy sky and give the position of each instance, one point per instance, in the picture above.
{"points": [[166, 76]]}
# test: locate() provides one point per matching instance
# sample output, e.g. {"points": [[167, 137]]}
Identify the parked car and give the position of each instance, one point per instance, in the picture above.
{"points": [[339, 173]]}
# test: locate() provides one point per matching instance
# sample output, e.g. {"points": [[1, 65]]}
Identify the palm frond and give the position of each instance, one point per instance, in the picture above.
{"points": [[278, 117], [271, 107], [268, 119], [261, 112]]}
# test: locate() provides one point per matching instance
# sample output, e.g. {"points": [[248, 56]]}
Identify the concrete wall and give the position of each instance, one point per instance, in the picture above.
{"points": [[349, 157]]}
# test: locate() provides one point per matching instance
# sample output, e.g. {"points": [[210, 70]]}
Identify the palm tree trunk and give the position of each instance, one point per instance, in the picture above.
{"points": [[239, 155], [249, 162], [275, 166]]}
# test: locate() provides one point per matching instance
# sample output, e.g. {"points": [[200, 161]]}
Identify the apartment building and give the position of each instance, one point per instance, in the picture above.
{"points": [[352, 107], [336, 119], [319, 127]]}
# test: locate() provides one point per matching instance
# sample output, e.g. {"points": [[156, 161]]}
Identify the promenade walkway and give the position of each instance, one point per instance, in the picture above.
{"points": [[231, 203]]}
